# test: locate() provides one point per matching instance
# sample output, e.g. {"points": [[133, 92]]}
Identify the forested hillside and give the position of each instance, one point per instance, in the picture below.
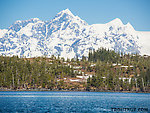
{"points": [[119, 72], [103, 70]]}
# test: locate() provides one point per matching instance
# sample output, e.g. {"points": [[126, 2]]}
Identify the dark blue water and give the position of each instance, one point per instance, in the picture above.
{"points": [[80, 102]]}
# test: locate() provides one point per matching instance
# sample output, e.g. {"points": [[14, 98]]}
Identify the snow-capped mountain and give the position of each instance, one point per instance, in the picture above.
{"points": [[68, 36]]}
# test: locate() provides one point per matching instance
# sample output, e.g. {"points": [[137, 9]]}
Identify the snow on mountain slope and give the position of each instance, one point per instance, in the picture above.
{"points": [[2, 32], [70, 36], [145, 42]]}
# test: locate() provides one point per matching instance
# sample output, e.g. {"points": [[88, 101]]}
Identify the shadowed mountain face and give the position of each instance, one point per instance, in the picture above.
{"points": [[68, 36]]}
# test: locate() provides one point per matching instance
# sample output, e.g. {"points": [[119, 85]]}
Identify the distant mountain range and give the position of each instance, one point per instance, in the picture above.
{"points": [[70, 36]]}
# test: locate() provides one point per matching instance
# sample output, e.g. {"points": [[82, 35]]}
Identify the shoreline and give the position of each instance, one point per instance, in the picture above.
{"points": [[73, 91]]}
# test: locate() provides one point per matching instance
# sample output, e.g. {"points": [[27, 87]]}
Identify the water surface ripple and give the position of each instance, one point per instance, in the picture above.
{"points": [[65, 102]]}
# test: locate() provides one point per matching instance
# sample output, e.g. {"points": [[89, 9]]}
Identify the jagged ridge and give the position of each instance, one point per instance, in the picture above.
{"points": [[67, 35]]}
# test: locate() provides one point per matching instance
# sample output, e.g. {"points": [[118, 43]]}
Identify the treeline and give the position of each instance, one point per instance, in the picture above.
{"points": [[18, 73], [118, 72], [103, 54]]}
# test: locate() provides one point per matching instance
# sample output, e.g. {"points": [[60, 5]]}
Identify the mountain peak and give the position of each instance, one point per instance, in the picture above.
{"points": [[66, 11], [116, 21], [32, 19], [17, 21], [128, 24], [130, 27], [35, 19]]}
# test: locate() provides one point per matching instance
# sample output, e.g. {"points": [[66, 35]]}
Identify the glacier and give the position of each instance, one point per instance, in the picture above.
{"points": [[69, 36]]}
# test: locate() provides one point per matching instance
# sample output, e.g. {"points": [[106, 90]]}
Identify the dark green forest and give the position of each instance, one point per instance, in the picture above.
{"points": [[111, 72], [31, 73], [109, 77]]}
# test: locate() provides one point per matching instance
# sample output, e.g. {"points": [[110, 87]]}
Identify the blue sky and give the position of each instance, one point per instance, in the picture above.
{"points": [[137, 12]]}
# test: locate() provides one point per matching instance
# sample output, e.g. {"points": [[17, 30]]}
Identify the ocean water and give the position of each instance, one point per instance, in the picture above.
{"points": [[73, 102]]}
